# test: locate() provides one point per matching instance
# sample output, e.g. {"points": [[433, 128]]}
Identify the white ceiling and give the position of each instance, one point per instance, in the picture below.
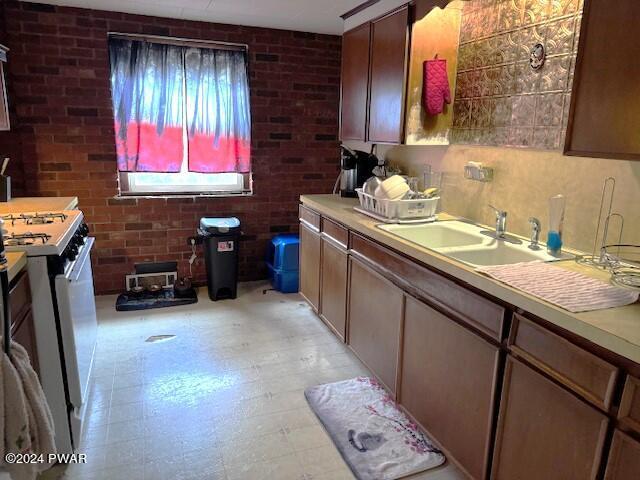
{"points": [[318, 16]]}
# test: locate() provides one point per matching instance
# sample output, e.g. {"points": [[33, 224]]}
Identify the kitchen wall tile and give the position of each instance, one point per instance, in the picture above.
{"points": [[536, 11], [527, 80], [521, 136], [523, 110], [545, 137], [511, 14], [560, 36], [502, 111], [565, 7], [555, 74], [548, 110]]}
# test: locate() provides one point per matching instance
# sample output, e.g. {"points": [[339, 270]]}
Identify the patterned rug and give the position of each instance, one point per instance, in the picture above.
{"points": [[375, 438]]}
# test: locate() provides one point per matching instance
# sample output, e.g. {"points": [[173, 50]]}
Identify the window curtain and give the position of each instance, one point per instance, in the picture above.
{"points": [[218, 114], [147, 83]]}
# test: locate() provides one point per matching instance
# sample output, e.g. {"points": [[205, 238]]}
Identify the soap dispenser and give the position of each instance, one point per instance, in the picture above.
{"points": [[556, 219]]}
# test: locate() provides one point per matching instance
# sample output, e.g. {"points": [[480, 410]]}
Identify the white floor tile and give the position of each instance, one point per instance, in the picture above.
{"points": [[223, 399]]}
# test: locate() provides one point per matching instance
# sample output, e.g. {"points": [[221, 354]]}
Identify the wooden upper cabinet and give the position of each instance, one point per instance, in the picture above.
{"points": [[375, 318], [448, 384], [624, 458], [605, 107], [388, 71], [355, 83], [545, 431]]}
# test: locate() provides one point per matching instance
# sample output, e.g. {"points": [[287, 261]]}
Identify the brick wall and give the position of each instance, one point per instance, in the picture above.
{"points": [[60, 82]]}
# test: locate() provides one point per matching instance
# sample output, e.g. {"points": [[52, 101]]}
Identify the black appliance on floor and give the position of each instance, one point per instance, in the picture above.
{"points": [[220, 237], [356, 167]]}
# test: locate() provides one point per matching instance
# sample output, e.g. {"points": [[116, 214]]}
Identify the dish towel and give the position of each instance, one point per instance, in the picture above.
{"points": [[569, 290], [25, 418], [435, 86]]}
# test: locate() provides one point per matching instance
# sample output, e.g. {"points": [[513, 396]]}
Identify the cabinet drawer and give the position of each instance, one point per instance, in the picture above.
{"points": [[336, 232], [624, 458], [474, 310], [629, 412], [310, 217], [581, 371], [20, 298]]}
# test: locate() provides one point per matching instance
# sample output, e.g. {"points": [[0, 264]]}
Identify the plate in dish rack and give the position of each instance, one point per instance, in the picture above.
{"points": [[380, 218]]}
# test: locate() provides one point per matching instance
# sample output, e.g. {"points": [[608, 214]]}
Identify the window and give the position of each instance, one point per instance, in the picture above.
{"points": [[181, 116]]}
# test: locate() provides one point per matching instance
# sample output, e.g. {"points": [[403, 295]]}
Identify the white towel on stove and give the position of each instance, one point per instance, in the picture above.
{"points": [[25, 419]]}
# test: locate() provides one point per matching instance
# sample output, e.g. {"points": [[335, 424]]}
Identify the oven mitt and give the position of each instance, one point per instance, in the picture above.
{"points": [[435, 86]]}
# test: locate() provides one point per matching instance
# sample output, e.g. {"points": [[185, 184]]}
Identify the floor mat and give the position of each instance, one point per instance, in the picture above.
{"points": [[375, 438], [161, 299]]}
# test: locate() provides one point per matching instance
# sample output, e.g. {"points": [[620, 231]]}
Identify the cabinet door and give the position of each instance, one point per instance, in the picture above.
{"points": [[375, 317], [355, 83], [25, 335], [544, 431], [310, 265], [624, 458], [605, 112], [389, 44], [334, 287], [448, 384]]}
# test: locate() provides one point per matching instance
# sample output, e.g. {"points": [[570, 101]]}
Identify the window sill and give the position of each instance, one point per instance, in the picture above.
{"points": [[136, 195]]}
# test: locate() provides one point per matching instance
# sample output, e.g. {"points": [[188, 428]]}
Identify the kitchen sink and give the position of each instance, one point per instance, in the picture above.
{"points": [[466, 243], [499, 253], [438, 235]]}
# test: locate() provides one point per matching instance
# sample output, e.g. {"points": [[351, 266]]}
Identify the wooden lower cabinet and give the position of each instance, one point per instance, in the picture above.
{"points": [[624, 459], [310, 264], [545, 431], [448, 384], [375, 319], [22, 324], [333, 286]]}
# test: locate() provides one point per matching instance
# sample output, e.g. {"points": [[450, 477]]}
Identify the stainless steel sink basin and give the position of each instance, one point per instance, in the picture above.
{"points": [[438, 235], [464, 242]]}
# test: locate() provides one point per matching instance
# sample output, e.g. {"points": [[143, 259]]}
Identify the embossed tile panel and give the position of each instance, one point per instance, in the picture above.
{"points": [[500, 99]]}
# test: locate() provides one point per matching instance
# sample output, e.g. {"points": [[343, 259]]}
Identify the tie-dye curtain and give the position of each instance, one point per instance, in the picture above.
{"points": [[218, 118], [147, 83]]}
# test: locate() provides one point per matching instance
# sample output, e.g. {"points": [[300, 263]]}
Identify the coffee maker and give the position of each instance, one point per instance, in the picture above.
{"points": [[356, 167]]}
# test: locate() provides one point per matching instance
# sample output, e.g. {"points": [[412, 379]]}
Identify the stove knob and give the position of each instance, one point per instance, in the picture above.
{"points": [[84, 229], [73, 252], [78, 238]]}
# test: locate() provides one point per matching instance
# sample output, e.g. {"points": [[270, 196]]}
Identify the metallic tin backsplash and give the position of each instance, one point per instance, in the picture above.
{"points": [[499, 99]]}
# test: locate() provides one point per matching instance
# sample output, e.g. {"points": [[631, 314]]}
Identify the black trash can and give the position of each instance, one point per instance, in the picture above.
{"points": [[220, 238]]}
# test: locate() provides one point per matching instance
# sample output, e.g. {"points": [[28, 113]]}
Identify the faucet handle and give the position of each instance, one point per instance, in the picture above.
{"points": [[499, 213], [535, 233], [535, 223]]}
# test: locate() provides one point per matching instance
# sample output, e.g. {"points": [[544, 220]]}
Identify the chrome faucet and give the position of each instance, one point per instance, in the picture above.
{"points": [[535, 233], [501, 222]]}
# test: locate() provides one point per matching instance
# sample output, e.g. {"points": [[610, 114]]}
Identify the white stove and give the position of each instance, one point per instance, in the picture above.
{"points": [[60, 276]]}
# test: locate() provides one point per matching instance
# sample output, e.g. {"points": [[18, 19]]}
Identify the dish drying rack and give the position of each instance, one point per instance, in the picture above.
{"points": [[397, 211], [624, 264]]}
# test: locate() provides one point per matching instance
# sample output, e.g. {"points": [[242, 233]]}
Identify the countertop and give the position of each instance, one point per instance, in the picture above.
{"points": [[38, 204], [16, 261], [616, 329]]}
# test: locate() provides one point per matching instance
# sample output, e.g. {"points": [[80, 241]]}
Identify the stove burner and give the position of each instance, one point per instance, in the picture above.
{"points": [[28, 238], [35, 218]]}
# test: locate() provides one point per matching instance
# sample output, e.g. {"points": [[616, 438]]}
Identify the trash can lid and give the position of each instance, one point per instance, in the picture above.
{"points": [[222, 224]]}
